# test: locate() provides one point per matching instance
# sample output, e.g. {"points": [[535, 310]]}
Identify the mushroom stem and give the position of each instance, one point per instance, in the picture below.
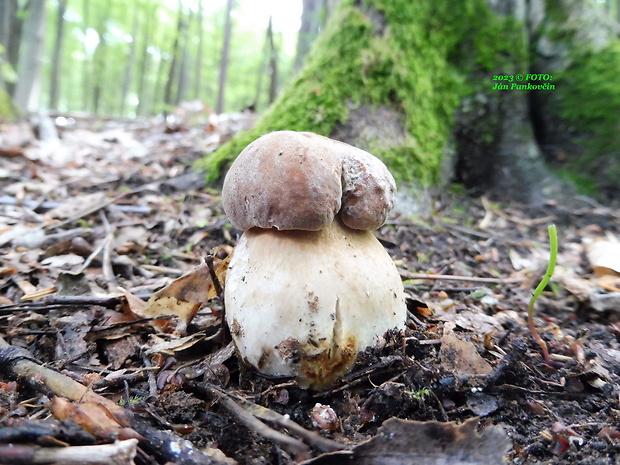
{"points": [[304, 303]]}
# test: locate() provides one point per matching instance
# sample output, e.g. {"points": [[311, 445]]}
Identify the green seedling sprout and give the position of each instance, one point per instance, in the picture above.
{"points": [[553, 254]]}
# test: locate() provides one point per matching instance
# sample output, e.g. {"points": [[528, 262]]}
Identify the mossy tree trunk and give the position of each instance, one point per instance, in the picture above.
{"points": [[413, 83]]}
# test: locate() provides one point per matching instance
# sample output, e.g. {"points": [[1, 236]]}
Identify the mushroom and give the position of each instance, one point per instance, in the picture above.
{"points": [[309, 286]]}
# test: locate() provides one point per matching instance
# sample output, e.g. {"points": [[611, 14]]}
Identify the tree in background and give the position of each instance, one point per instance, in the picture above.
{"points": [[313, 18], [28, 86], [57, 54], [225, 54], [113, 56], [413, 83]]}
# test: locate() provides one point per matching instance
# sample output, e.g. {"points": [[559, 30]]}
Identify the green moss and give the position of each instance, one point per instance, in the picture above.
{"points": [[591, 103], [413, 56]]}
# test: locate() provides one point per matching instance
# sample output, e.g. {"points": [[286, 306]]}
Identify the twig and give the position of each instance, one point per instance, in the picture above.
{"points": [[293, 445], [119, 453], [162, 269], [108, 272], [474, 279], [8, 200], [524, 221], [62, 301], [90, 210], [213, 274], [314, 439], [21, 363]]}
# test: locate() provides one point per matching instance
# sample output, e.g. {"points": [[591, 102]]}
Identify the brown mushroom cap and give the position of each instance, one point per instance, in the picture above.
{"points": [[300, 180], [368, 189], [283, 180]]}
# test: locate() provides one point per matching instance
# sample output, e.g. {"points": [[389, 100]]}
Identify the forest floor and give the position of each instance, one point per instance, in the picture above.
{"points": [[96, 223]]}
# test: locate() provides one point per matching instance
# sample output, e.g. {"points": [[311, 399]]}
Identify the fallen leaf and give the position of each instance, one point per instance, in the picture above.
{"points": [[174, 345], [184, 296], [92, 417], [461, 356]]}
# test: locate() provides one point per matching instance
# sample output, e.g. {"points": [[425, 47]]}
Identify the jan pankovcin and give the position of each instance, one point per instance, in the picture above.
{"points": [[528, 86]]}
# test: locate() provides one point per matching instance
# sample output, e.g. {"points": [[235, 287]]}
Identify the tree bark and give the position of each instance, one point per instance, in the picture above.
{"points": [[224, 57], [28, 88], [310, 24]]}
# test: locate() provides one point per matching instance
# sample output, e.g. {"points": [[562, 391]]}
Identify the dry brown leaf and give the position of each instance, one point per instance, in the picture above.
{"points": [[132, 305], [184, 296], [92, 417], [173, 345], [461, 356]]}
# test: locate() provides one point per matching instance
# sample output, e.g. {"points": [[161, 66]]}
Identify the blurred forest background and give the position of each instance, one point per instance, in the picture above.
{"points": [[417, 93], [145, 57]]}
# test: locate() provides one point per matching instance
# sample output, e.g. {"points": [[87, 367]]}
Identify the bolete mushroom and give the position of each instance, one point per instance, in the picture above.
{"points": [[309, 286]]}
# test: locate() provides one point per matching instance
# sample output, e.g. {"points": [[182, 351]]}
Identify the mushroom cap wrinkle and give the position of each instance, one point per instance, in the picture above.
{"points": [[300, 181], [368, 189], [304, 303]]}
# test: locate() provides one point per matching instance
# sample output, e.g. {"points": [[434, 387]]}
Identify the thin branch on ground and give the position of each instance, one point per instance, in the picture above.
{"points": [[118, 453], [21, 363]]}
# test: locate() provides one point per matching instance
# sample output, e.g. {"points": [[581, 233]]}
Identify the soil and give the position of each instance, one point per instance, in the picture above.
{"points": [[467, 352]]}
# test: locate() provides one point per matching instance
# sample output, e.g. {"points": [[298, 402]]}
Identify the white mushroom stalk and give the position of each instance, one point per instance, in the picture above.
{"points": [[309, 286]]}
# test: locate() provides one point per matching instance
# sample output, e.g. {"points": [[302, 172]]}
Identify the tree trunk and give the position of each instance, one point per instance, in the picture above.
{"points": [[100, 58], [172, 73], [224, 60], [419, 85], [310, 24], [86, 63], [145, 93], [273, 64], [198, 69], [57, 55], [28, 87], [183, 77], [11, 33], [131, 61]]}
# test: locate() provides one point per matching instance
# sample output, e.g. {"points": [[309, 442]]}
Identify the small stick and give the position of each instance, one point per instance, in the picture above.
{"points": [[8, 200], [524, 221], [553, 253], [119, 453], [213, 274], [254, 424], [474, 279], [314, 439], [20, 362], [90, 210], [62, 301]]}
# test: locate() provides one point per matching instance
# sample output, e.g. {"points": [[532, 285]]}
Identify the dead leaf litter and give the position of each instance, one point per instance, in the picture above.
{"points": [[113, 254]]}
